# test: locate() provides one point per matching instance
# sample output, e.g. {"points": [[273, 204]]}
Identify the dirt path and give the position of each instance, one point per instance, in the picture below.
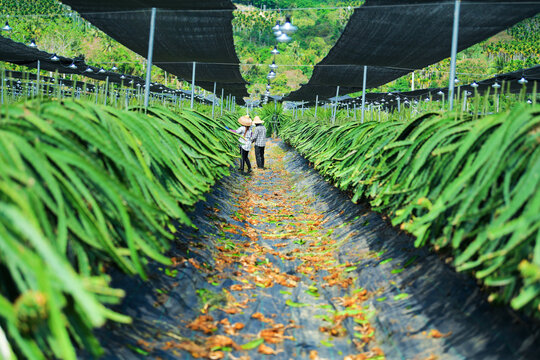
{"points": [[282, 266], [300, 300]]}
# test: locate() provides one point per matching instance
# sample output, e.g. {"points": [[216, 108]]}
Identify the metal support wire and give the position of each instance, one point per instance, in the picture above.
{"points": [[364, 93], [455, 32], [316, 104], [150, 55], [193, 84]]}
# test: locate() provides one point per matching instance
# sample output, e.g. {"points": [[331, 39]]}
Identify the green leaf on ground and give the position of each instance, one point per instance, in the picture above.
{"points": [[385, 261], [171, 273], [326, 343], [138, 350], [285, 292], [221, 348], [313, 291], [381, 298], [291, 303], [361, 321], [326, 306], [350, 268], [252, 344], [410, 261], [401, 296]]}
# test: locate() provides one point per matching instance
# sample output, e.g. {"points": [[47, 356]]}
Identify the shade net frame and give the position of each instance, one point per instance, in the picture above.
{"points": [[186, 31], [509, 82], [393, 38], [21, 54]]}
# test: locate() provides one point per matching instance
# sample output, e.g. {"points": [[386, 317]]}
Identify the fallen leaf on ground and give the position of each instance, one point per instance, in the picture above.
{"points": [[238, 326], [257, 316], [194, 263], [216, 355], [219, 341], [436, 334], [197, 351], [204, 323], [266, 350]]}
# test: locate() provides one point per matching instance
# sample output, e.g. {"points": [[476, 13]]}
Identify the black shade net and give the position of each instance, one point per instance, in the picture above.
{"points": [[185, 32], [508, 82], [22, 77], [21, 54], [394, 37]]}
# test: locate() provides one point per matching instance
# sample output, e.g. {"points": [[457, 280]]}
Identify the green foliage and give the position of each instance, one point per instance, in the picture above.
{"points": [[318, 30], [84, 187], [273, 116], [66, 33], [468, 185], [50, 7], [521, 50]]}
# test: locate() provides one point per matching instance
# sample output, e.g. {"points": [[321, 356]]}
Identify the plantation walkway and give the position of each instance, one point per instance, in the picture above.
{"points": [[283, 266]]}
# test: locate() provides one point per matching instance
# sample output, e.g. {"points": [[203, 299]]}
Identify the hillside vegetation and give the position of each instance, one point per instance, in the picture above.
{"points": [[65, 33]]}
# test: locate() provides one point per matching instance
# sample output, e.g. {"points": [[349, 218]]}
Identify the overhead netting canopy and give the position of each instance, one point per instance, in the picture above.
{"points": [[186, 31], [508, 82], [21, 54], [395, 37]]}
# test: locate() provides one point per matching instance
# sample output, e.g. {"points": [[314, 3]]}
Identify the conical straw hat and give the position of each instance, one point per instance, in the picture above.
{"points": [[257, 120], [245, 120]]}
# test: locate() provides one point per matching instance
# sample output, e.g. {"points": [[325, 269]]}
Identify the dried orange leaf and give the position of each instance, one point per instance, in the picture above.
{"points": [[266, 350], [257, 316], [436, 334]]}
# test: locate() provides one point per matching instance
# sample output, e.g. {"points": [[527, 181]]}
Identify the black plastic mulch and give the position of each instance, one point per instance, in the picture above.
{"points": [[414, 290]]}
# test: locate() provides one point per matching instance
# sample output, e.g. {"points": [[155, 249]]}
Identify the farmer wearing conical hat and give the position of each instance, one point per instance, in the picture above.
{"points": [[245, 141], [259, 137]]}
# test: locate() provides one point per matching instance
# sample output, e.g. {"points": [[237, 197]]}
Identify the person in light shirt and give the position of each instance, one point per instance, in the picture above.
{"points": [[259, 138], [246, 133]]}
